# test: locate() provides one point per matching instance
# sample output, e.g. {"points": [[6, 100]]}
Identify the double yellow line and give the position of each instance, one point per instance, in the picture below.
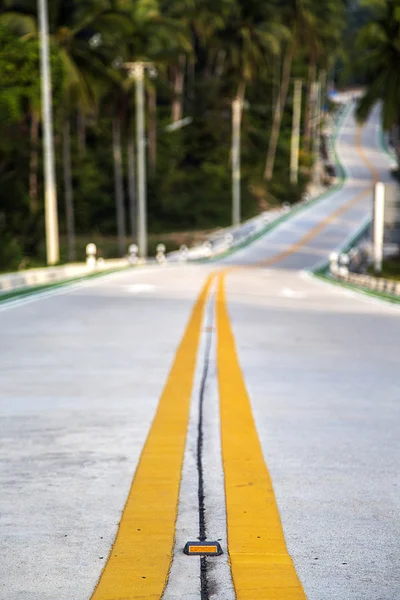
{"points": [[141, 556], [140, 559], [340, 211]]}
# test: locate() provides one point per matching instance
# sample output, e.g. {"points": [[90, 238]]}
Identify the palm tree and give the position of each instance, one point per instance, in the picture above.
{"points": [[156, 38], [379, 45], [24, 28], [248, 39], [323, 46], [298, 18], [76, 35]]}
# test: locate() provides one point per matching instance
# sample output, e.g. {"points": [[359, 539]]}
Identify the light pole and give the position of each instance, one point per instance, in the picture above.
{"points": [[378, 225], [295, 146], [317, 135], [51, 217], [137, 72], [236, 160]]}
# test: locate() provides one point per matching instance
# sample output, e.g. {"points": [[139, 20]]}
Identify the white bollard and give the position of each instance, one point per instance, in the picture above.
{"points": [[228, 240], [333, 262], [207, 249], [379, 225], [160, 256], [91, 252], [183, 253], [133, 254]]}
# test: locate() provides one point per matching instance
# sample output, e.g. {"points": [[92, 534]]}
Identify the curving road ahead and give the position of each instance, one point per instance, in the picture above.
{"points": [[90, 373]]}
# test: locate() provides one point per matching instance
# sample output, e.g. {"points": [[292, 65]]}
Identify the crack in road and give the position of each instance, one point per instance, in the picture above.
{"points": [[204, 588]]}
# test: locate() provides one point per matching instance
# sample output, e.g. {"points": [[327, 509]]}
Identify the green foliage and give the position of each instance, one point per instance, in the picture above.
{"points": [[19, 75], [19, 94], [223, 48], [379, 45]]}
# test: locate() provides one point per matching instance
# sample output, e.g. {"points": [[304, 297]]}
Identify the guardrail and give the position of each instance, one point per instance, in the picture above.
{"points": [[229, 239], [48, 275], [341, 266], [232, 238], [375, 284]]}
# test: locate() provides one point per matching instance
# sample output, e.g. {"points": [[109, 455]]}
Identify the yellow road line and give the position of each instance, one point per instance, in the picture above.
{"points": [[310, 235], [261, 566], [141, 556], [361, 151], [140, 559], [317, 229]]}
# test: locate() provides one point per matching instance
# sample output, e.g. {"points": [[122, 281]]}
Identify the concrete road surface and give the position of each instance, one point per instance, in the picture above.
{"points": [[304, 499]]}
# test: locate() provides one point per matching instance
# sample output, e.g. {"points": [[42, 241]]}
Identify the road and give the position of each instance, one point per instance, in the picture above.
{"points": [[274, 393]]}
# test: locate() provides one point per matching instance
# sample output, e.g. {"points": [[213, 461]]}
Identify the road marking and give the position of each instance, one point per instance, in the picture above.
{"points": [[204, 548], [56, 289], [140, 559], [293, 294], [141, 556], [140, 288], [261, 566], [317, 229], [361, 151]]}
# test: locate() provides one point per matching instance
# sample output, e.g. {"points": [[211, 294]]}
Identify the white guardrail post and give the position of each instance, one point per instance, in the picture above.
{"points": [[160, 256], [379, 225], [133, 254], [91, 255]]}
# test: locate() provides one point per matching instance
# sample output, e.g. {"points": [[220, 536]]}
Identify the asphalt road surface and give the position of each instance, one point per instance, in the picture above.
{"points": [[243, 402]]}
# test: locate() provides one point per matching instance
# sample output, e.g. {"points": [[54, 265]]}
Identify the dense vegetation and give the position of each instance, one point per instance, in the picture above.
{"points": [[207, 53], [378, 46]]}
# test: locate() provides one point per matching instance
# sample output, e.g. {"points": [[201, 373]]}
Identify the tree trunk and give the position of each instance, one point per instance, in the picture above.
{"points": [[68, 190], [312, 71], [220, 63], [152, 100], [209, 62], [237, 115], [119, 185], [132, 182], [192, 79], [177, 105], [81, 125], [34, 163], [276, 83], [280, 106]]}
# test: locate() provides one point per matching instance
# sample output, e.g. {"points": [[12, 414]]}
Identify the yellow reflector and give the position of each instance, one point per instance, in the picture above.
{"points": [[203, 548]]}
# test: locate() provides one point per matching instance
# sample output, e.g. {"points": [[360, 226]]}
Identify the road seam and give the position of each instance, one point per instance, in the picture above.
{"points": [[204, 591]]}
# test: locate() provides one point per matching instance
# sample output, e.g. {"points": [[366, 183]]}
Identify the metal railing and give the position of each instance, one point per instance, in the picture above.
{"points": [[351, 268]]}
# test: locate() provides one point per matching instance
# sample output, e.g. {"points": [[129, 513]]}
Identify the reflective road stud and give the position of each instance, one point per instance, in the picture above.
{"points": [[203, 549]]}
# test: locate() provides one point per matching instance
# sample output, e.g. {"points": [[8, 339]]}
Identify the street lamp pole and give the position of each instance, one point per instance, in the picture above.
{"points": [[236, 159], [51, 217], [141, 151], [137, 72], [295, 145], [317, 135]]}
